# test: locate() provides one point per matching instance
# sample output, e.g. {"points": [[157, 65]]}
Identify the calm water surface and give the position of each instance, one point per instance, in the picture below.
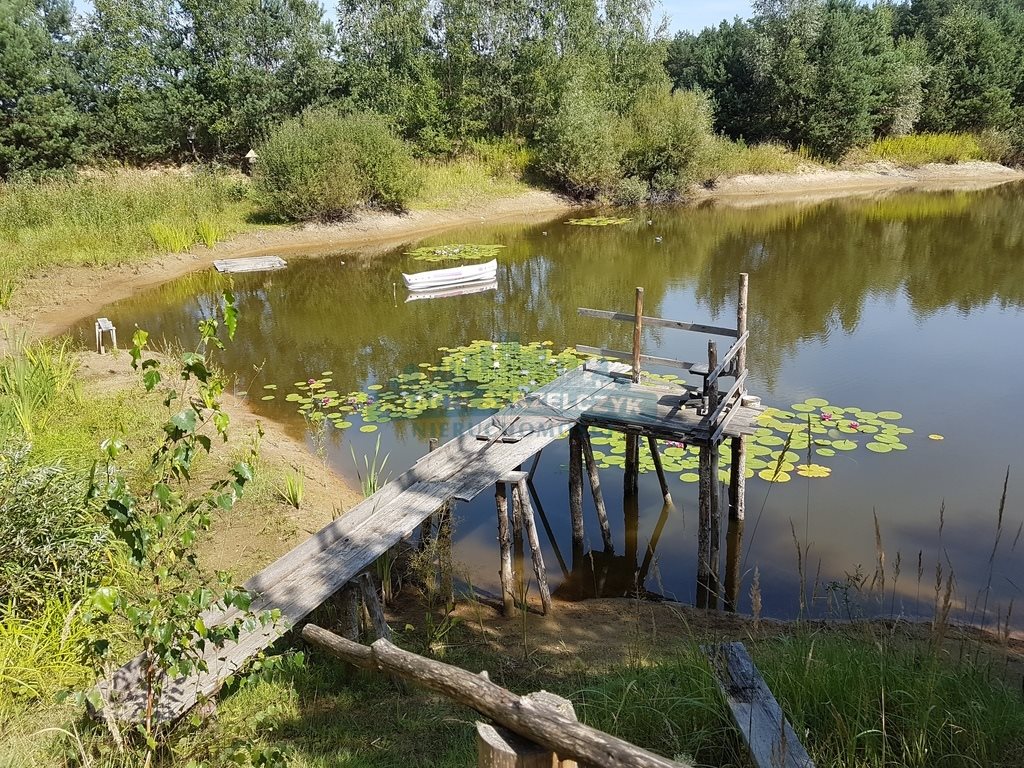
{"points": [[911, 302]]}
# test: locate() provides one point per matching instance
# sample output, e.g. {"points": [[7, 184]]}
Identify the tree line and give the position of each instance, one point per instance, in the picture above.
{"points": [[588, 84], [833, 74]]}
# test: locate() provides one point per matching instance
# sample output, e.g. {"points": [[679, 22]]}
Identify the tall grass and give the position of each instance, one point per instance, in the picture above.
{"points": [[113, 218], [32, 378], [722, 158], [924, 148], [472, 179]]}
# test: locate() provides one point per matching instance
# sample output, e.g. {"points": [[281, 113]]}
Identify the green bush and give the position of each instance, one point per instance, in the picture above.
{"points": [[323, 165], [630, 191], [581, 150], [51, 542], [665, 133]]}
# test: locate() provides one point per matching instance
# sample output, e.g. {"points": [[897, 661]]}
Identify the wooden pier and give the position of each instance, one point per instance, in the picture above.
{"points": [[489, 457]]}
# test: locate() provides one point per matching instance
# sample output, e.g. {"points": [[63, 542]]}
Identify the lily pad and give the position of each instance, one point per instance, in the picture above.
{"points": [[600, 221], [936, 437], [368, 428], [813, 470], [771, 477], [456, 252], [689, 477], [879, 447], [844, 445], [890, 415]]}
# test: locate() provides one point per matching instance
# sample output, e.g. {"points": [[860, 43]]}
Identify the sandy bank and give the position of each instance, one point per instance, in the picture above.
{"points": [[819, 184]]}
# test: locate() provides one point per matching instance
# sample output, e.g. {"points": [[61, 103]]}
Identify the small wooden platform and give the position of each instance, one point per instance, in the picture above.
{"points": [[250, 264]]}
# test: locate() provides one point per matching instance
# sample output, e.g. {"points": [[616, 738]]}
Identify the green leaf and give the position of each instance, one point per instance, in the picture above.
{"points": [[230, 314], [103, 600], [185, 420]]}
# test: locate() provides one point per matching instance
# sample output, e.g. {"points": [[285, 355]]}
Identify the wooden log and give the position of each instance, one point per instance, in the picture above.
{"points": [[741, 320], [518, 550], [733, 556], [445, 561], [631, 469], [508, 601], [531, 534], [638, 327], [576, 491], [737, 478], [770, 738], [595, 490], [656, 456], [536, 721], [703, 526]]}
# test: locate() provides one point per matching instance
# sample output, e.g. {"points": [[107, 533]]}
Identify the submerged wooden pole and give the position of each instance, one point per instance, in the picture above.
{"points": [[523, 494], [737, 477], [656, 456], [652, 545], [576, 491], [547, 528], [508, 602], [595, 490], [631, 480]]}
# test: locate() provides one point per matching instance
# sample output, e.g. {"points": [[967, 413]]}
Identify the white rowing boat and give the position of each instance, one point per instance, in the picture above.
{"points": [[436, 279], [459, 290]]}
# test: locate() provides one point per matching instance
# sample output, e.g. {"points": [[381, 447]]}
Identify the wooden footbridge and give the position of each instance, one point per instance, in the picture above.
{"points": [[488, 456]]}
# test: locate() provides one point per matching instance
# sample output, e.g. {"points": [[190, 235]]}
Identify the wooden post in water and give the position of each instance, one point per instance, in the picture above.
{"points": [[595, 490], [733, 555], [656, 456], [576, 492], [508, 602], [522, 494], [632, 468], [737, 479], [518, 550], [716, 512], [704, 527]]}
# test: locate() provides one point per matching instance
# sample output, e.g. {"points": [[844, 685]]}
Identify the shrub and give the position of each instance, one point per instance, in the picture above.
{"points": [[580, 150], [630, 191], [51, 541], [322, 165], [665, 133]]}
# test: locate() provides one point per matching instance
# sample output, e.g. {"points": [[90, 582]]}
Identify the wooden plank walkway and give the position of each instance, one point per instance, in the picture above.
{"points": [[475, 461], [303, 579]]}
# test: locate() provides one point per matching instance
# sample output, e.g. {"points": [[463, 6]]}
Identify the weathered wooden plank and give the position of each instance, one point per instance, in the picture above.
{"points": [[250, 264], [726, 400], [658, 322], [768, 734], [666, 362]]}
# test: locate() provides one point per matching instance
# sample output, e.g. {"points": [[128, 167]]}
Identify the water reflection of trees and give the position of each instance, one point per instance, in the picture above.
{"points": [[812, 268]]}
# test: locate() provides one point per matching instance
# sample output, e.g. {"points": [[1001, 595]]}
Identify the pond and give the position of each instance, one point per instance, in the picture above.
{"points": [[897, 318]]}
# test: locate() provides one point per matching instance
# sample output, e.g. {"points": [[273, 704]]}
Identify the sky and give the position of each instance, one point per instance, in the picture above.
{"points": [[694, 15]]}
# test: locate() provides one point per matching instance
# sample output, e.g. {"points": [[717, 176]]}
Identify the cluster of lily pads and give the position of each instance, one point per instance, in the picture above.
{"points": [[599, 221], [456, 252], [488, 375]]}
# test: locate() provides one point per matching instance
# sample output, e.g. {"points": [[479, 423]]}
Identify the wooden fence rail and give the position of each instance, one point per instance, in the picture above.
{"points": [[529, 718]]}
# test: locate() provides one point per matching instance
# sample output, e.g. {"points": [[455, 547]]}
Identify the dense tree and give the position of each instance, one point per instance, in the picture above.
{"points": [[40, 126]]}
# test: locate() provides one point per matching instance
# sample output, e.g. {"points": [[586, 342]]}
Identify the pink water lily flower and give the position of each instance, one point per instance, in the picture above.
{"points": [[826, 416], [854, 425]]}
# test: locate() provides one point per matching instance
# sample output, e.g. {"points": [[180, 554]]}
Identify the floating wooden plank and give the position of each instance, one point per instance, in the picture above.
{"points": [[658, 322], [768, 734], [250, 264]]}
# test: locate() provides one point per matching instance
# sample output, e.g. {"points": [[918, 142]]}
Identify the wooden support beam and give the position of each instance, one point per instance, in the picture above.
{"points": [[539, 723], [721, 369], [733, 556], [769, 737], [547, 529], [656, 456], [659, 322], [704, 527], [595, 490], [638, 327], [737, 478], [508, 601], [374, 609], [349, 608], [652, 545], [576, 491], [631, 479], [523, 495], [714, 558]]}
